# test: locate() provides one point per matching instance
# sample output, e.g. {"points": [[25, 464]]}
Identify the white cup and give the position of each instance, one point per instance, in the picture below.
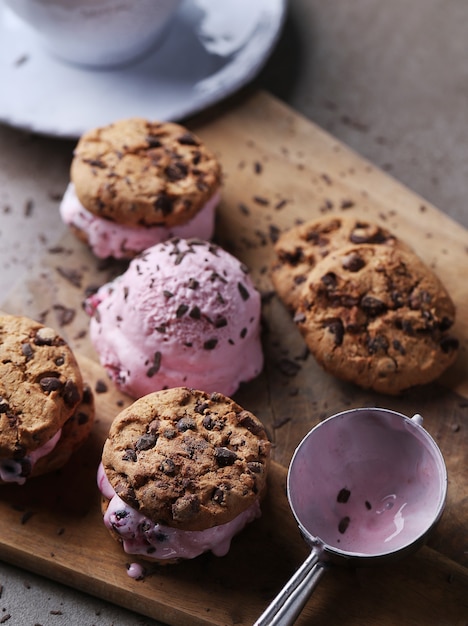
{"points": [[97, 33]]}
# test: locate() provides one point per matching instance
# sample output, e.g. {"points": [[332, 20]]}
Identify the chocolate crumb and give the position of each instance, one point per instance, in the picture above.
{"points": [[343, 495], [368, 505], [100, 387], [343, 525]]}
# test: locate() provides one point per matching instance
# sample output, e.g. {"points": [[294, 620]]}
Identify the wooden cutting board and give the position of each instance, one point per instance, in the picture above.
{"points": [[279, 169]]}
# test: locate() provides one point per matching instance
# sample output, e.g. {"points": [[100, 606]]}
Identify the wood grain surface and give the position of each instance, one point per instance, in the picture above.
{"points": [[278, 169]]}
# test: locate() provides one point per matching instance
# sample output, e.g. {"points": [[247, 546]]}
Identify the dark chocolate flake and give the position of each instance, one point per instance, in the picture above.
{"points": [[154, 369], [210, 344], [181, 310], [343, 524], [243, 291], [343, 495]]}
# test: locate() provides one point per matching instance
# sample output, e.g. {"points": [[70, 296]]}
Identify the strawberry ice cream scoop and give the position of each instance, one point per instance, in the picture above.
{"points": [[185, 313]]}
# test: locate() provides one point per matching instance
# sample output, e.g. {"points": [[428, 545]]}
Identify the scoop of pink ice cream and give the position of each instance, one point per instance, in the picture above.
{"points": [[110, 239], [185, 313]]}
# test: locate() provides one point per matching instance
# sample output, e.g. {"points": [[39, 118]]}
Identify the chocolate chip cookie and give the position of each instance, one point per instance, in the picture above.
{"points": [[141, 173], [41, 389], [377, 316], [187, 459], [300, 248]]}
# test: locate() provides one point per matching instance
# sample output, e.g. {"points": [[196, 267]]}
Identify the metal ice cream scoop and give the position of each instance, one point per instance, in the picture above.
{"points": [[365, 486]]}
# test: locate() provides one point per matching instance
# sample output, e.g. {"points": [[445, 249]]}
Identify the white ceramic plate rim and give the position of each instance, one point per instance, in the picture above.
{"points": [[45, 95]]}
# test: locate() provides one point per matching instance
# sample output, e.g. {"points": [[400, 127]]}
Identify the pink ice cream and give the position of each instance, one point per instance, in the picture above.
{"points": [[185, 313], [368, 484], [109, 239], [142, 536], [13, 471]]}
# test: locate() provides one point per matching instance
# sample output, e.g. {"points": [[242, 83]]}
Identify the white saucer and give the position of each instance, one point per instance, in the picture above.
{"points": [[213, 47]]}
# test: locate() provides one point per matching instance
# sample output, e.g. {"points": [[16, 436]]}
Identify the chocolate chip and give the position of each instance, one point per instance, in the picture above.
{"points": [[50, 383], [164, 204], [373, 306], [71, 394], [167, 467], [399, 347], [27, 351], [213, 423], [193, 283], [187, 139], [329, 280], [129, 455], [153, 142], [376, 344], [336, 328], [343, 495], [343, 524], [146, 442], [368, 505], [186, 423], [353, 262], [248, 421], [176, 171], [201, 407], [448, 344], [362, 233], [82, 418], [445, 323], [225, 457]]}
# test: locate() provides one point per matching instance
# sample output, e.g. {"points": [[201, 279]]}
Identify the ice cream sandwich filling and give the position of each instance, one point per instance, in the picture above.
{"points": [[142, 536], [110, 239], [18, 470]]}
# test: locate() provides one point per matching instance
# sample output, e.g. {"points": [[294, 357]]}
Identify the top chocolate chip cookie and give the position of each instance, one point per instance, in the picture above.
{"points": [[141, 173], [40, 385], [300, 248], [187, 459], [377, 316]]}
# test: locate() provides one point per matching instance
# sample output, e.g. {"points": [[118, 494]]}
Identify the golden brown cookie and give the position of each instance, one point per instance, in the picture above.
{"points": [[300, 248], [41, 389], [377, 316], [142, 173], [75, 431], [187, 459]]}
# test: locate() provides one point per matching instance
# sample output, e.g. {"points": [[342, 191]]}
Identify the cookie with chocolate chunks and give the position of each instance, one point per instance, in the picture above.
{"points": [[379, 317], [187, 459], [299, 249], [41, 392], [138, 172]]}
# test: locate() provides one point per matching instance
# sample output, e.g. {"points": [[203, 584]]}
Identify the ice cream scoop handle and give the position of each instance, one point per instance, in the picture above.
{"points": [[287, 605]]}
